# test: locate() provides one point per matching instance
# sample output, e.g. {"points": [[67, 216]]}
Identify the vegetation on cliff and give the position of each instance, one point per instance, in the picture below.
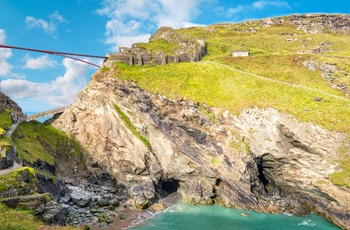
{"points": [[11, 219], [22, 179], [5, 124], [131, 127], [37, 141], [277, 73]]}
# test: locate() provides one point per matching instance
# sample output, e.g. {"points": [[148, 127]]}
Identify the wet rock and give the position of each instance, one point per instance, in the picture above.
{"points": [[157, 207], [115, 202], [53, 214], [102, 202]]}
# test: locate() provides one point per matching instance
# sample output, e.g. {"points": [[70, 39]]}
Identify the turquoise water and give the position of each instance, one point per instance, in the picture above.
{"points": [[183, 216]]}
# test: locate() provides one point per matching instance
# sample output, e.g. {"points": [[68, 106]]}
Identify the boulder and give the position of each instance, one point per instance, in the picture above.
{"points": [[143, 194], [197, 192], [80, 197], [157, 207]]}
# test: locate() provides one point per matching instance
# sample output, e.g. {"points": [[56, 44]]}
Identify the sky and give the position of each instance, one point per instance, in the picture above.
{"points": [[39, 82]]}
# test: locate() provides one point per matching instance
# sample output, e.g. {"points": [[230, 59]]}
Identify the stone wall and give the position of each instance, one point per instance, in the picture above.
{"points": [[137, 56], [188, 49]]}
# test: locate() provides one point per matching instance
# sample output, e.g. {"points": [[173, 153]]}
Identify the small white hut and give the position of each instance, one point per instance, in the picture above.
{"points": [[240, 53]]}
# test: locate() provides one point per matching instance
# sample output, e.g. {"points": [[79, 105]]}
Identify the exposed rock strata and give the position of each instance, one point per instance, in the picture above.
{"points": [[313, 23], [260, 160]]}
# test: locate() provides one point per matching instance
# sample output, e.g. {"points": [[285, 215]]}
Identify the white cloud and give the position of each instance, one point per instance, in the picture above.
{"points": [[130, 20], [259, 5], [49, 27], [235, 10], [41, 62], [5, 67], [59, 92]]}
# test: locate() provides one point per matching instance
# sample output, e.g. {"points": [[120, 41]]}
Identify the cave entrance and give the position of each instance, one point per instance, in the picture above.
{"points": [[169, 187]]}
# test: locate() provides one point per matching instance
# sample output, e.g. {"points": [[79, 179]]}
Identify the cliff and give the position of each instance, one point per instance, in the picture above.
{"points": [[260, 159]]}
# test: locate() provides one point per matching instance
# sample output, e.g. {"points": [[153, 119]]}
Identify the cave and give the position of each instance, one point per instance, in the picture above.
{"points": [[259, 163], [169, 187]]}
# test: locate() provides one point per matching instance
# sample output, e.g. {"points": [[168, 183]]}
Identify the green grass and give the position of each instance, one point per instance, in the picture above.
{"points": [[47, 175], [16, 179], [5, 124], [27, 136], [159, 45], [5, 121], [11, 219], [17, 220], [342, 176], [132, 128], [223, 38], [225, 88]]}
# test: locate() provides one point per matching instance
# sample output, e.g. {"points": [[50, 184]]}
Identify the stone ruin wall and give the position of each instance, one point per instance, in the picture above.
{"points": [[137, 56]]}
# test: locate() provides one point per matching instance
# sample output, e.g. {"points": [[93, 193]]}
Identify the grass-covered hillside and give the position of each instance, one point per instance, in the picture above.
{"points": [[301, 70], [5, 124], [37, 141]]}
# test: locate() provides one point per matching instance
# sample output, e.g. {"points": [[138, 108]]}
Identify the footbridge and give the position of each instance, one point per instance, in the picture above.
{"points": [[75, 56], [46, 113]]}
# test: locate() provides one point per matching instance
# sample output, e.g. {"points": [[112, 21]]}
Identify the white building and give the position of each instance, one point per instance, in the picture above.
{"points": [[240, 53]]}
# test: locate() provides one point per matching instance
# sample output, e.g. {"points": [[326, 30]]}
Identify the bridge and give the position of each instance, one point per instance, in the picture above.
{"points": [[73, 56], [46, 113]]}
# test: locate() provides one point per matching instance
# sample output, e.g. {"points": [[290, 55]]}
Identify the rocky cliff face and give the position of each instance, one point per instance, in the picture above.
{"points": [[260, 159], [314, 23], [6, 102]]}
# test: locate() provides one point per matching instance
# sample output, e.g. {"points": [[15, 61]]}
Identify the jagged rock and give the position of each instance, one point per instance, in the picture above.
{"points": [[143, 194], [329, 68], [197, 192], [312, 66], [80, 197], [6, 102], [49, 211], [53, 214], [313, 23]]}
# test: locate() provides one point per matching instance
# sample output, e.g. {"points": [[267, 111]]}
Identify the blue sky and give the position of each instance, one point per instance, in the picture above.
{"points": [[39, 81]]}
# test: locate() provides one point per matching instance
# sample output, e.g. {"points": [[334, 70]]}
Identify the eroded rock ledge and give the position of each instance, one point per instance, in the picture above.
{"points": [[260, 159]]}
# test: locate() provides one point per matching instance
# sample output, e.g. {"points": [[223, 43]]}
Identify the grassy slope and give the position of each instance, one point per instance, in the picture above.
{"points": [[13, 180], [23, 220], [272, 57], [28, 146], [5, 124]]}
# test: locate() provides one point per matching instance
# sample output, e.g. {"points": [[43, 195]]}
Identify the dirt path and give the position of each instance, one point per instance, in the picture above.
{"points": [[9, 170]]}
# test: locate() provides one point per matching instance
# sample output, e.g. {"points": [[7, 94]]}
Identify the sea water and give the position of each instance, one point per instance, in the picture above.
{"points": [[184, 216]]}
